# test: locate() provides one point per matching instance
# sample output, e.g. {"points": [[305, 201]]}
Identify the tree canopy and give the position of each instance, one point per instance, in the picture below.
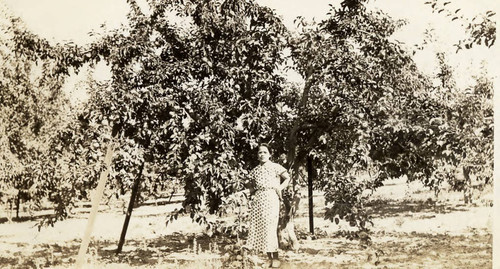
{"points": [[196, 85]]}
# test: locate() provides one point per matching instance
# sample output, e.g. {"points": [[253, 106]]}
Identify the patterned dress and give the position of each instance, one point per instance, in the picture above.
{"points": [[264, 208]]}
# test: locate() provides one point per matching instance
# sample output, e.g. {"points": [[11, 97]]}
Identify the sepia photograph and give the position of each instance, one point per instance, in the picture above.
{"points": [[248, 134]]}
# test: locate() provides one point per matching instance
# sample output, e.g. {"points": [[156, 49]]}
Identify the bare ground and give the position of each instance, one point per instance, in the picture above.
{"points": [[412, 229]]}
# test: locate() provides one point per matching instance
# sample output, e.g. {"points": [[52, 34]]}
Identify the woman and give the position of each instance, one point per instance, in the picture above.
{"points": [[266, 187]]}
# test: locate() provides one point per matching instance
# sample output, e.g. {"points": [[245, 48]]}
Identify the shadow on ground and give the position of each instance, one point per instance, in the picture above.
{"points": [[402, 250], [176, 248], [384, 208], [396, 250]]}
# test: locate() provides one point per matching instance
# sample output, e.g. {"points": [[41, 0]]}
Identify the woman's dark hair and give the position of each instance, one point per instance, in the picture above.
{"points": [[265, 145]]}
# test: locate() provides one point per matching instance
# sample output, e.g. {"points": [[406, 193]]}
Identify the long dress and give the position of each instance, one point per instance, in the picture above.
{"points": [[264, 208]]}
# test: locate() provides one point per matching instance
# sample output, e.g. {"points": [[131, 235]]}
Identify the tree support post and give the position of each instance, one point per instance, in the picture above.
{"points": [[310, 193], [133, 197], [18, 204], [96, 200]]}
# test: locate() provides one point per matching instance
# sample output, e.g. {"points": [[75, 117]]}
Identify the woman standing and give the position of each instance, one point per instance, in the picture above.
{"points": [[266, 187]]}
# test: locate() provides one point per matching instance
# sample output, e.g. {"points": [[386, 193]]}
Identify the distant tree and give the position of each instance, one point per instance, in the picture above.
{"points": [[467, 120], [32, 107], [467, 116]]}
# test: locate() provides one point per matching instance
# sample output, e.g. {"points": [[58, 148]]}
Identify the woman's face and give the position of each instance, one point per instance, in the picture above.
{"points": [[263, 154]]}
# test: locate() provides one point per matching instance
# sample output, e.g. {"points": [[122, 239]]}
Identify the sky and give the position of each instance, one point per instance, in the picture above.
{"points": [[63, 20]]}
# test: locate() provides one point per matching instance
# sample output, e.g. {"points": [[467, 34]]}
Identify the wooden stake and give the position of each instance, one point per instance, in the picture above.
{"points": [[133, 196], [96, 200]]}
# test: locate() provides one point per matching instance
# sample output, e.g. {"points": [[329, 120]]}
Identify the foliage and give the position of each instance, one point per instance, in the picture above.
{"points": [[481, 29], [196, 85], [196, 113], [467, 119], [191, 115], [365, 109], [32, 110]]}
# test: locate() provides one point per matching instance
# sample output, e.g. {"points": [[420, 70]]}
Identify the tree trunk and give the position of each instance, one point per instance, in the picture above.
{"points": [[467, 185], [310, 193], [286, 227], [286, 233], [9, 211], [18, 204], [133, 196]]}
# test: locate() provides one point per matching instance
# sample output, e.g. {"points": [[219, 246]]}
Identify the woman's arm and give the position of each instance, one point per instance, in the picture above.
{"points": [[250, 186], [286, 180]]}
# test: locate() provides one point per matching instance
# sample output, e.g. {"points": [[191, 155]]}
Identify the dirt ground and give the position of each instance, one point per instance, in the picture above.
{"points": [[412, 229]]}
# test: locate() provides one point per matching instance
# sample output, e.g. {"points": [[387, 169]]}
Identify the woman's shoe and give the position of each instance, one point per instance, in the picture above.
{"points": [[275, 263]]}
